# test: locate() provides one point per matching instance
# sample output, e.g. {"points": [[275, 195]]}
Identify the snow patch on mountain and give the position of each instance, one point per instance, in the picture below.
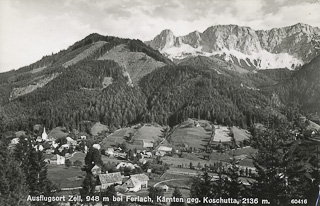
{"points": [[261, 60]]}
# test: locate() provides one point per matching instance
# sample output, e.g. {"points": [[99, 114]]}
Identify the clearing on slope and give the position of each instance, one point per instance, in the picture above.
{"points": [[137, 64], [148, 133], [85, 54]]}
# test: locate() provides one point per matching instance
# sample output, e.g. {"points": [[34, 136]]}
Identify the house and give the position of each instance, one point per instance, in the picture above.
{"points": [[60, 160], [38, 147], [162, 150], [109, 151], [71, 141], [126, 164], [136, 182], [160, 153], [49, 151], [142, 178], [147, 154], [15, 141], [165, 149], [109, 179], [39, 139], [120, 155], [142, 161], [164, 188], [147, 144], [96, 170]]}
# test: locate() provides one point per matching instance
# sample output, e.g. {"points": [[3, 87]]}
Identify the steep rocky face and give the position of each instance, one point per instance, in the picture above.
{"points": [[287, 47], [164, 40]]}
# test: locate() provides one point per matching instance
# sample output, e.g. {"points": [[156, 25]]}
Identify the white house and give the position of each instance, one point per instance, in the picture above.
{"points": [[60, 160], [110, 151], [147, 144], [136, 182], [96, 170], [126, 164], [15, 141]]}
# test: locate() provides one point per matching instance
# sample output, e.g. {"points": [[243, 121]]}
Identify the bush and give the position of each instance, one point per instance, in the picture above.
{"points": [[68, 163], [77, 163]]}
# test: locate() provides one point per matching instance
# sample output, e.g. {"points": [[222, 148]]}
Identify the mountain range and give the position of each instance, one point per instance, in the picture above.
{"points": [[288, 47], [119, 82]]}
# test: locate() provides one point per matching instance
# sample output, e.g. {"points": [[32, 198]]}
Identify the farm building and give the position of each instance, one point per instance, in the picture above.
{"points": [[110, 179]]}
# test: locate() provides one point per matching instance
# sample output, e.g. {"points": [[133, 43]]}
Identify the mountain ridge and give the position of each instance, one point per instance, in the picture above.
{"points": [[262, 49]]}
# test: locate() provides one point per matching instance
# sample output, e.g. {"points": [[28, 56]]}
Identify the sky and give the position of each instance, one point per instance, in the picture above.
{"points": [[31, 29]]}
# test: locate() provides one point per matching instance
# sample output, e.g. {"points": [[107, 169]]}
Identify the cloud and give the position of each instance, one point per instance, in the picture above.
{"points": [[31, 29]]}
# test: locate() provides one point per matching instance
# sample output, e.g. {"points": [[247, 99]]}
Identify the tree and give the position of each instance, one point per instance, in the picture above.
{"points": [[13, 187], [109, 193], [219, 185], [233, 183], [92, 158], [77, 163], [130, 137], [165, 132], [34, 167], [88, 187], [68, 163], [201, 187], [284, 169], [155, 192], [177, 194]]}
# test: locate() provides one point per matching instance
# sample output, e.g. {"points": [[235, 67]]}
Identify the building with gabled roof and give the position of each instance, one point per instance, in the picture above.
{"points": [[110, 179], [147, 144], [165, 149], [136, 182], [96, 170]]}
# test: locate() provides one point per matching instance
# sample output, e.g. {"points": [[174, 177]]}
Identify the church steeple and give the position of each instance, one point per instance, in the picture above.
{"points": [[44, 134]]}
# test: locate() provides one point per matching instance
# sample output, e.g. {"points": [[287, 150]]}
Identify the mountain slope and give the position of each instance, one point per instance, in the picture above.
{"points": [[303, 87], [287, 47], [91, 82]]}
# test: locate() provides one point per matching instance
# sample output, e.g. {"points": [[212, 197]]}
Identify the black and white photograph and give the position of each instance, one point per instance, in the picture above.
{"points": [[159, 102]]}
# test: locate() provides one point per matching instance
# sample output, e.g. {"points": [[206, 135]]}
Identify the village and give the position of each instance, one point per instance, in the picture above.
{"points": [[142, 156]]}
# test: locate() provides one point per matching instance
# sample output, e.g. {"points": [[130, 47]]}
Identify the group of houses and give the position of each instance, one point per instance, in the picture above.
{"points": [[133, 183], [59, 144]]}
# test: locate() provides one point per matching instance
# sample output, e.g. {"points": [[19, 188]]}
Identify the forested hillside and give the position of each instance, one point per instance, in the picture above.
{"points": [[303, 87], [74, 87]]}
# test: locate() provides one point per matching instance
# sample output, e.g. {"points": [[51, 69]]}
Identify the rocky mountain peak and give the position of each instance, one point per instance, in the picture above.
{"points": [[165, 39], [287, 47]]}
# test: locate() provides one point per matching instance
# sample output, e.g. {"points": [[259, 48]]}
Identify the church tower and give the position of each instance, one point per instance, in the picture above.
{"points": [[44, 134]]}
